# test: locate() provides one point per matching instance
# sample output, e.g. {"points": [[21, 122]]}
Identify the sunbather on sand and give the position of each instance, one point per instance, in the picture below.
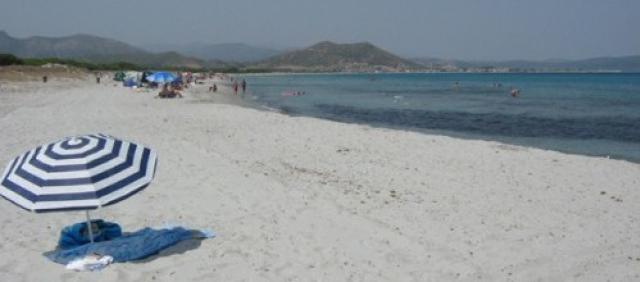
{"points": [[176, 93], [169, 92], [165, 92]]}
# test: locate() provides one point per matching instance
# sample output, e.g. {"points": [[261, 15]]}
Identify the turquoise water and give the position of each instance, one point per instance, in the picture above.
{"points": [[592, 114]]}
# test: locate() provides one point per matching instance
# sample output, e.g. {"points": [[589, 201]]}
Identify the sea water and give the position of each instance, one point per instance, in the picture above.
{"points": [[583, 113]]}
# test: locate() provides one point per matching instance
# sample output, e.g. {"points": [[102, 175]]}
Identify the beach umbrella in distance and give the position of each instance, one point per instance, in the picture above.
{"points": [[161, 77], [78, 173]]}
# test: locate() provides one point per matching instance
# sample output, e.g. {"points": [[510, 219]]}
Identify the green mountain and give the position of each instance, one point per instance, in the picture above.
{"points": [[322, 57], [327, 56], [95, 49], [77, 46]]}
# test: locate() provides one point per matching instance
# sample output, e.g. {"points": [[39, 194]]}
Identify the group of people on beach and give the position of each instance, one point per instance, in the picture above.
{"points": [[234, 85], [243, 84]]}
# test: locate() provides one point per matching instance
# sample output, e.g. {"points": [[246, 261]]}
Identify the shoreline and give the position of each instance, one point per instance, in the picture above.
{"points": [[225, 96], [559, 145], [199, 94]]}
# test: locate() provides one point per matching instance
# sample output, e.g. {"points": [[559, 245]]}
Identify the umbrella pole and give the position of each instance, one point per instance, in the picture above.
{"points": [[89, 226]]}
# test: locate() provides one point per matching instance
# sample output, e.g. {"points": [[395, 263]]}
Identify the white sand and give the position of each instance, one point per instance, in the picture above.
{"points": [[302, 199]]}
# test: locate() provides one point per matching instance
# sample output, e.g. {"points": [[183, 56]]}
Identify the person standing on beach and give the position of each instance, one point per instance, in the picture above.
{"points": [[235, 87], [244, 86]]}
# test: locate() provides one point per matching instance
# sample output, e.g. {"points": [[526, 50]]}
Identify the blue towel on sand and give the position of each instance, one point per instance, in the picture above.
{"points": [[134, 246], [77, 234]]}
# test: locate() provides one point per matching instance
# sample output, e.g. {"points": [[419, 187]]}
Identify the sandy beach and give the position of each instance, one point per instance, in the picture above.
{"points": [[303, 199]]}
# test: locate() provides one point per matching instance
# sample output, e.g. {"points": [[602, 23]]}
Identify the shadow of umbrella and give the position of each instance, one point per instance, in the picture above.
{"points": [[177, 249]]}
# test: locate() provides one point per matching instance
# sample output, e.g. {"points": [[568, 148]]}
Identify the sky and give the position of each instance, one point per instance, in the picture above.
{"points": [[453, 29]]}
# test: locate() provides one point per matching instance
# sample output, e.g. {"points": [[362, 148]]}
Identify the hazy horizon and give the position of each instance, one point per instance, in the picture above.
{"points": [[467, 30]]}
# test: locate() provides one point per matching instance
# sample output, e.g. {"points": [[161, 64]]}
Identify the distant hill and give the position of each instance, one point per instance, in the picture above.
{"points": [[325, 56], [95, 49], [329, 56], [75, 46], [230, 52], [623, 64]]}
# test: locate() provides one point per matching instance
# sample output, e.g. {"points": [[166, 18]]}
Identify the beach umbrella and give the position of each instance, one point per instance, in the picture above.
{"points": [[78, 173], [161, 77]]}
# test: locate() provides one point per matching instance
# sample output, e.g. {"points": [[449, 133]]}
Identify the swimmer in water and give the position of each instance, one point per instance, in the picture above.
{"points": [[515, 92], [456, 85]]}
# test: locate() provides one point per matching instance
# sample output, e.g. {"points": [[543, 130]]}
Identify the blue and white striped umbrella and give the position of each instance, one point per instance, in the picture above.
{"points": [[78, 173], [161, 77]]}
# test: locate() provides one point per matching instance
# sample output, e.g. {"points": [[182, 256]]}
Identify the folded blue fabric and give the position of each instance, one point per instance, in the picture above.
{"points": [[77, 234], [134, 246]]}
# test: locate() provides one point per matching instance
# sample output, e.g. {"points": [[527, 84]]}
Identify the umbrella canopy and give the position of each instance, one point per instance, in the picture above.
{"points": [[78, 173], [161, 77]]}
